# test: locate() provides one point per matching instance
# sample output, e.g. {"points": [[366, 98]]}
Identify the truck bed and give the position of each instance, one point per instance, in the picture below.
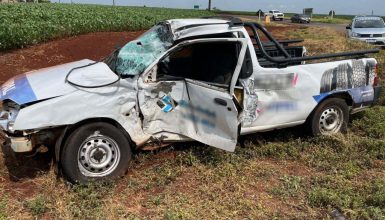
{"points": [[294, 51]]}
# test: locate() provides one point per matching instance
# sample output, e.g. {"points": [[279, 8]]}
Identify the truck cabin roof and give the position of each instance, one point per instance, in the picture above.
{"points": [[185, 28]]}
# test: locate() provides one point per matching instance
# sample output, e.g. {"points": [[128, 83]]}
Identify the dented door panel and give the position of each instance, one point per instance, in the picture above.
{"points": [[198, 110], [168, 107]]}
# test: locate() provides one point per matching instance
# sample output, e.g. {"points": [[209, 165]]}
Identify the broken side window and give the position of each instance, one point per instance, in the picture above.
{"points": [[212, 62], [137, 55]]}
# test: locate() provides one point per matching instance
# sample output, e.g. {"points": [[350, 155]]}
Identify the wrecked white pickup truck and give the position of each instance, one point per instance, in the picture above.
{"points": [[208, 80]]}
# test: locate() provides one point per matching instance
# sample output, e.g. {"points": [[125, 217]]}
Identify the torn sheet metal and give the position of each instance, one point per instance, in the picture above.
{"points": [[117, 102], [250, 104], [188, 109]]}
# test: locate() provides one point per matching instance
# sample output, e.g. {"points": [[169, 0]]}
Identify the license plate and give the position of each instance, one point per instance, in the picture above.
{"points": [[371, 41]]}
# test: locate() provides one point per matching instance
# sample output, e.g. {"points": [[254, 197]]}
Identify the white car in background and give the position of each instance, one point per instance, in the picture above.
{"points": [[370, 29], [275, 15]]}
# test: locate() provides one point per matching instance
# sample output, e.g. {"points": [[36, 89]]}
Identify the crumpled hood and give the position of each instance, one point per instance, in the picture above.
{"points": [[50, 82]]}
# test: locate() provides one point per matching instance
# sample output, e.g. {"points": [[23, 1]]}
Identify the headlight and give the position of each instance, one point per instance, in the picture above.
{"points": [[355, 34], [8, 116], [10, 126]]}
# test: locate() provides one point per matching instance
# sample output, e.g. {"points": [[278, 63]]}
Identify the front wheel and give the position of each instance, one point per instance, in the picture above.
{"points": [[95, 151], [330, 117]]}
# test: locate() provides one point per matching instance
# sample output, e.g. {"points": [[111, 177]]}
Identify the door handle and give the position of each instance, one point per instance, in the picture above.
{"points": [[220, 101]]}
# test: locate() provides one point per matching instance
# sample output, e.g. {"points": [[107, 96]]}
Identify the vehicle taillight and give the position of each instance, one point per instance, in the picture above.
{"points": [[376, 80]]}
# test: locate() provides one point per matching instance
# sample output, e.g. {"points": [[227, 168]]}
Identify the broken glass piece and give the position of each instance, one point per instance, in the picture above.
{"points": [[137, 55]]}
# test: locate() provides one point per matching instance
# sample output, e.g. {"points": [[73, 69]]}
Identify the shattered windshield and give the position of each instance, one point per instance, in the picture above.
{"points": [[137, 55], [369, 23]]}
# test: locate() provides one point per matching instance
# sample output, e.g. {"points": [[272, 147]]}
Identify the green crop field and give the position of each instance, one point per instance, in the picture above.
{"points": [[26, 24]]}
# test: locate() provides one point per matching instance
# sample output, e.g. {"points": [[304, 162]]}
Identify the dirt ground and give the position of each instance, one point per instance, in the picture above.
{"points": [[92, 46]]}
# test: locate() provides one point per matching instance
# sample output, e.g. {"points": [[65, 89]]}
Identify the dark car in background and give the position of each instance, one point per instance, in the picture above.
{"points": [[300, 18]]}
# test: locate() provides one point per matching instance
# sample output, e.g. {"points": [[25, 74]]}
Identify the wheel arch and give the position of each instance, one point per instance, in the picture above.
{"points": [[341, 95], [345, 95], [67, 130]]}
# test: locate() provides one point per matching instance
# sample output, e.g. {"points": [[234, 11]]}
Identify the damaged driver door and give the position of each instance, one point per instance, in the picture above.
{"points": [[189, 92]]}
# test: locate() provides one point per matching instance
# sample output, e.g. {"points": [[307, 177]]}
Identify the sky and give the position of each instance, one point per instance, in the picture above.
{"points": [[350, 7]]}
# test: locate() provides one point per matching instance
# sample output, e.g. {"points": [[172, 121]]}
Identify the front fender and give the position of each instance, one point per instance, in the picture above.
{"points": [[117, 103]]}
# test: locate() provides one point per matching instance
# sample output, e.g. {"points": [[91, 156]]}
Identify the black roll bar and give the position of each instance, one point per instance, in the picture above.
{"points": [[279, 46], [285, 43], [288, 59]]}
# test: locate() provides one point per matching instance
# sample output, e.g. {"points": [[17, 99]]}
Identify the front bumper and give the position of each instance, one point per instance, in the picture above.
{"points": [[19, 144], [377, 41]]}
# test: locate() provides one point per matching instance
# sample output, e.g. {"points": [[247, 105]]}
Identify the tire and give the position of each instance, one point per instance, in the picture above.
{"points": [[95, 151], [342, 73], [327, 81], [329, 117], [359, 76]]}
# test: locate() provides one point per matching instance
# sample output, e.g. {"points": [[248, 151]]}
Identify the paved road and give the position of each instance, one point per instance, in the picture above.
{"points": [[338, 27]]}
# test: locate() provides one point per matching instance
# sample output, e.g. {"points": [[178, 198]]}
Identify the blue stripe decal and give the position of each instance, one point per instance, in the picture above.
{"points": [[359, 95], [320, 97], [18, 90]]}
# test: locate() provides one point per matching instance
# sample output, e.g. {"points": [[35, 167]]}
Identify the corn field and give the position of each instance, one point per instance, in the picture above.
{"points": [[26, 24]]}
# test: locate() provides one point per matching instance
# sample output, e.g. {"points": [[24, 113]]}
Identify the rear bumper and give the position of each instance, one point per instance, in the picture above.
{"points": [[377, 93], [358, 107]]}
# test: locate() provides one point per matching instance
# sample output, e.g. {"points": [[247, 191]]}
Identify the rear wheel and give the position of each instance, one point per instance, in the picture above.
{"points": [[96, 151], [330, 117]]}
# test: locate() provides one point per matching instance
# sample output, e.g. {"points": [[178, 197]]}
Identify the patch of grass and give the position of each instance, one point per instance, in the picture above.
{"points": [[87, 200], [355, 199], [3, 207], [37, 205], [366, 123], [289, 186], [330, 20]]}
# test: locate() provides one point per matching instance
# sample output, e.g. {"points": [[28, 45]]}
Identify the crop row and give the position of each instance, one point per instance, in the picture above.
{"points": [[26, 24]]}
